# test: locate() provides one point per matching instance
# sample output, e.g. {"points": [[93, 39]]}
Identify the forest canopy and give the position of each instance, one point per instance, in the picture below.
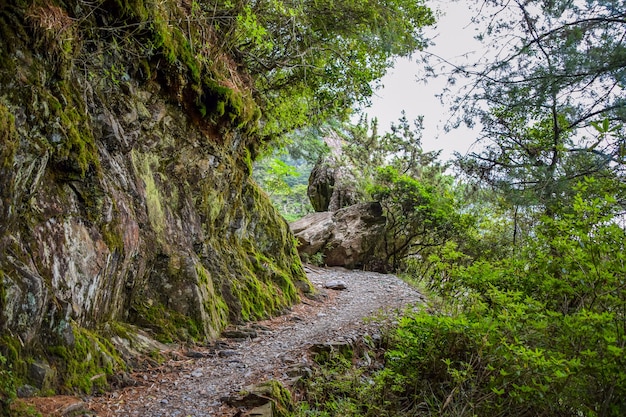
{"points": [[313, 60]]}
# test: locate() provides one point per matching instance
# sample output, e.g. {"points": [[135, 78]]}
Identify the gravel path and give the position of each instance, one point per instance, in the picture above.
{"points": [[195, 386]]}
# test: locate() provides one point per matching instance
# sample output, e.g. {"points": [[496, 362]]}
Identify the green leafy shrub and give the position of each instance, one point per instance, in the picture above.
{"points": [[541, 333], [421, 215], [336, 388]]}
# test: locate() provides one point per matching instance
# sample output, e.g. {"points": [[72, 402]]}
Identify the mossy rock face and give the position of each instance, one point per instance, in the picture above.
{"points": [[8, 149], [82, 360], [180, 302], [125, 189], [8, 382]]}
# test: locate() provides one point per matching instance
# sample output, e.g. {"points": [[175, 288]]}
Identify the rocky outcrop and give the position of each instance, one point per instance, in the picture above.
{"points": [[125, 190], [321, 186], [331, 186], [347, 237]]}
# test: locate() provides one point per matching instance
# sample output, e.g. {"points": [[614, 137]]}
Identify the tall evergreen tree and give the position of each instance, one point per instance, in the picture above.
{"points": [[549, 97]]}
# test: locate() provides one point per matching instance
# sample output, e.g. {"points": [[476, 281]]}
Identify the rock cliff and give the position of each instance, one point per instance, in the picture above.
{"points": [[126, 201]]}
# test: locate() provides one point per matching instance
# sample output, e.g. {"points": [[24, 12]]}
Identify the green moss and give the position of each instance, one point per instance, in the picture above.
{"points": [[222, 102], [254, 302], [113, 235], [167, 324], [191, 71], [202, 109], [204, 84], [123, 330], [132, 335], [7, 387], [135, 9], [57, 39], [21, 408], [212, 204], [281, 397], [58, 111], [334, 354], [262, 290], [266, 263], [113, 238], [8, 148], [220, 108], [276, 244], [145, 165], [215, 309], [145, 69], [181, 303], [70, 135], [247, 160], [12, 372], [84, 365], [267, 267], [265, 284], [11, 350], [8, 138]]}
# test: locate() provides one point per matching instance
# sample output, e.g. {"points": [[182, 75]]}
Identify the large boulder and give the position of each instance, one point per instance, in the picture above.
{"points": [[348, 237], [321, 186], [331, 186], [313, 231]]}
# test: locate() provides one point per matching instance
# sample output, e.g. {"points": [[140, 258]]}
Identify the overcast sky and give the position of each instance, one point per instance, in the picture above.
{"points": [[453, 37]]}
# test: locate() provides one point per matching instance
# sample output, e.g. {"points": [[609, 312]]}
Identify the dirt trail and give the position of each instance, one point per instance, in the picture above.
{"points": [[194, 386]]}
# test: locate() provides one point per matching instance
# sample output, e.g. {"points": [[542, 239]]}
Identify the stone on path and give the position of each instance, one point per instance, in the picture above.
{"points": [[240, 334], [336, 284]]}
